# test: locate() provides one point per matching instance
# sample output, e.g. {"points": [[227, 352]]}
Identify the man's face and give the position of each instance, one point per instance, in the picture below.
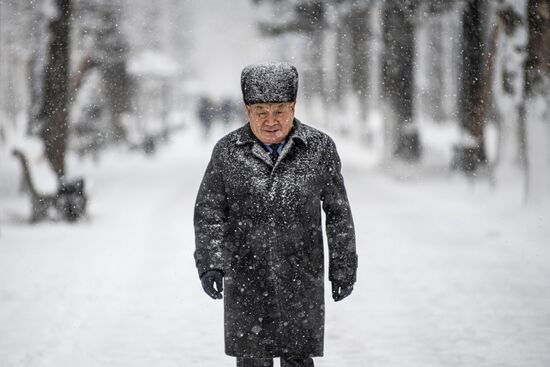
{"points": [[271, 122]]}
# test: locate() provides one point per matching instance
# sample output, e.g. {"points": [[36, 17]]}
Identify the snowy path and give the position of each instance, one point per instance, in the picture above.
{"points": [[450, 275]]}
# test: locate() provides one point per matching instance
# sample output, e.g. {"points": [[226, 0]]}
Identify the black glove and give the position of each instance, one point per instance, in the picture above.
{"points": [[341, 290], [208, 280]]}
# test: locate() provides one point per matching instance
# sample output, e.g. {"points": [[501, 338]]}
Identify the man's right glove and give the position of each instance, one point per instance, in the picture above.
{"points": [[341, 290], [342, 274], [208, 280]]}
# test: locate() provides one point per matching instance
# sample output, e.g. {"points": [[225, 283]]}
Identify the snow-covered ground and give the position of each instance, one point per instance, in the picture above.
{"points": [[452, 273]]}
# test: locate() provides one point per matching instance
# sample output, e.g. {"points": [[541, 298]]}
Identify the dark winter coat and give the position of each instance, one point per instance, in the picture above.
{"points": [[261, 225]]}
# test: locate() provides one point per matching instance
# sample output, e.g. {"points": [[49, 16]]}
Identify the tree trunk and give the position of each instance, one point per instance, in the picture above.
{"points": [[538, 47], [310, 21], [434, 73], [358, 22], [536, 67], [472, 102], [398, 75], [54, 110], [341, 56], [314, 75]]}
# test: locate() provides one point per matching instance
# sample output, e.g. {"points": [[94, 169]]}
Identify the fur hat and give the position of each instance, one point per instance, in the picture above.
{"points": [[269, 83]]}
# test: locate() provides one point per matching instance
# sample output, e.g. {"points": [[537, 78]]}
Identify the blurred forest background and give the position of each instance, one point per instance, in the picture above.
{"points": [[83, 76]]}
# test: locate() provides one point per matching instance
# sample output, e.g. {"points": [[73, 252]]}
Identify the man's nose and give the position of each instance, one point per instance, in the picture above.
{"points": [[271, 120]]}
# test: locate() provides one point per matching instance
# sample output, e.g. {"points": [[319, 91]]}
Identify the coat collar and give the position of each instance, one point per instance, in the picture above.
{"points": [[297, 133]]}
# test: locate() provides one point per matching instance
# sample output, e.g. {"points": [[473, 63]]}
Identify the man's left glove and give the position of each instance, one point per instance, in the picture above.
{"points": [[341, 290], [208, 280]]}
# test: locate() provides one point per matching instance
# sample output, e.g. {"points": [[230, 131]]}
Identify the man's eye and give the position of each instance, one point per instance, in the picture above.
{"points": [[262, 114]]}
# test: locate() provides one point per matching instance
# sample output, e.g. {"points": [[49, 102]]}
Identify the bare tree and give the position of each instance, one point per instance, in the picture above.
{"points": [[536, 72], [15, 21], [111, 55], [54, 108], [431, 94], [472, 101], [398, 75], [352, 56]]}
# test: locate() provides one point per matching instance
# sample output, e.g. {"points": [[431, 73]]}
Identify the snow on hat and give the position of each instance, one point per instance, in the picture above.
{"points": [[269, 83]]}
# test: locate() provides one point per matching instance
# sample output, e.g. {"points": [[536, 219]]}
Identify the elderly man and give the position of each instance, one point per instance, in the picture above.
{"points": [[258, 226]]}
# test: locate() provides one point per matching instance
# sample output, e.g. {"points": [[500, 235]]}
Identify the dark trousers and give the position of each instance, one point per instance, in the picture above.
{"points": [[268, 362]]}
